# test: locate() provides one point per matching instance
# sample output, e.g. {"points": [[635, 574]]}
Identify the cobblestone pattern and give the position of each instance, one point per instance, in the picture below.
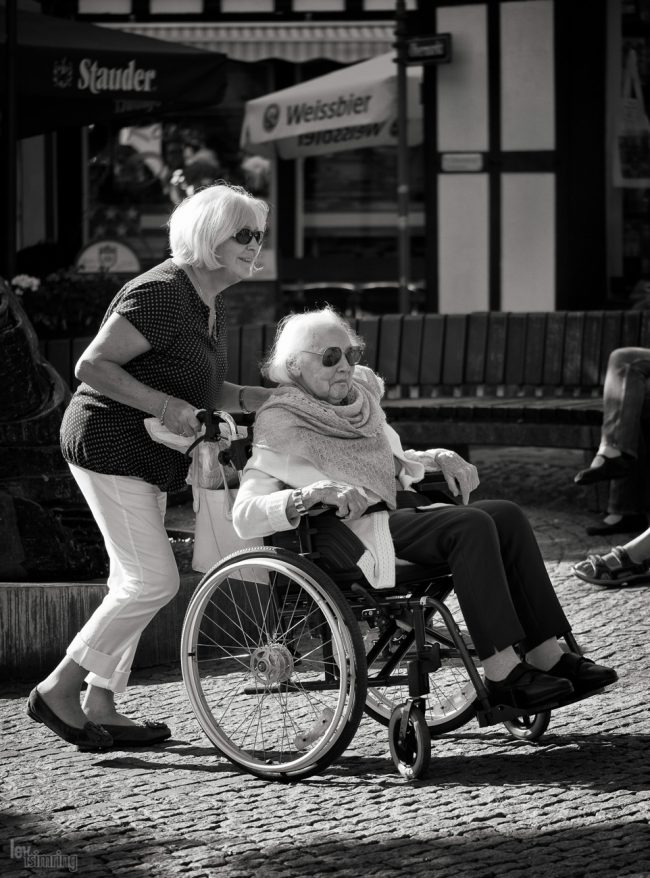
{"points": [[576, 804]]}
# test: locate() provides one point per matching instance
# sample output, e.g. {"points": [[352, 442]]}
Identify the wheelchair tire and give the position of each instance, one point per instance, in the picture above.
{"points": [[273, 663], [450, 703], [529, 727], [413, 755]]}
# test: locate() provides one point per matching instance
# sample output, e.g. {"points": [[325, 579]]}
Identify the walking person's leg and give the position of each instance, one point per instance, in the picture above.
{"points": [[629, 496], [143, 578], [624, 393]]}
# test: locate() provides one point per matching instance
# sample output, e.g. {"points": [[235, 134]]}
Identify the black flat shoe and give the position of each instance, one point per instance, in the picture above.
{"points": [[629, 524], [527, 687], [90, 737], [612, 468], [584, 675], [149, 732]]}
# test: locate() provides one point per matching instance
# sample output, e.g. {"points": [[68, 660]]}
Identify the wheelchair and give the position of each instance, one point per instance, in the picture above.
{"points": [[285, 646]]}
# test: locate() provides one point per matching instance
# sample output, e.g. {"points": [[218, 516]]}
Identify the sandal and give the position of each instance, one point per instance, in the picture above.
{"points": [[596, 571]]}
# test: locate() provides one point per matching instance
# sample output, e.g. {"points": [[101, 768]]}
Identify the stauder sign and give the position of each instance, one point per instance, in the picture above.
{"points": [[432, 49]]}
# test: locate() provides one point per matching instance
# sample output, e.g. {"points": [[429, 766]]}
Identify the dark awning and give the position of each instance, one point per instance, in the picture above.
{"points": [[72, 73]]}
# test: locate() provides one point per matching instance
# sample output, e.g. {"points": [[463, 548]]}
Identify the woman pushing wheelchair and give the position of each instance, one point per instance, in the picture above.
{"points": [[322, 438]]}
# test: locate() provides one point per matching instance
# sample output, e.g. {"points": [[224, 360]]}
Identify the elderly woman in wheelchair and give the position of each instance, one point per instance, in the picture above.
{"points": [[322, 442]]}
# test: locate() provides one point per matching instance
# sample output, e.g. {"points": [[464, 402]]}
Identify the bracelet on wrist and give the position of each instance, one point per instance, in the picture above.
{"points": [[298, 502], [164, 410], [241, 402]]}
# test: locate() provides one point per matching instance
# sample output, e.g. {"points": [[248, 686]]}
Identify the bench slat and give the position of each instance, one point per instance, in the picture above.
{"points": [[592, 340], [554, 348], [477, 337], [411, 350], [432, 349], [453, 365], [368, 329], [611, 338], [535, 349], [389, 347], [515, 364], [496, 349], [573, 339]]}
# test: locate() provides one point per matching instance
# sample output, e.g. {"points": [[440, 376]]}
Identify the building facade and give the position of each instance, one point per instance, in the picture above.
{"points": [[516, 196]]}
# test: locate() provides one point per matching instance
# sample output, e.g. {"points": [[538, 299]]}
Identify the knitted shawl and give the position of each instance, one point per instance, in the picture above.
{"points": [[346, 442]]}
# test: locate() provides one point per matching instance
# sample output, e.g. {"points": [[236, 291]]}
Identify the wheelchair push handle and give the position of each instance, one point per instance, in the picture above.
{"points": [[239, 448]]}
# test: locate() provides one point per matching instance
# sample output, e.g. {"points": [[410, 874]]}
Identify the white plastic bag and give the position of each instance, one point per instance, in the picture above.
{"points": [[214, 535]]}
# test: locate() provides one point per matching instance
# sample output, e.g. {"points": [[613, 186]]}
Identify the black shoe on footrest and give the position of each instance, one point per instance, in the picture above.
{"points": [[527, 687], [584, 675]]}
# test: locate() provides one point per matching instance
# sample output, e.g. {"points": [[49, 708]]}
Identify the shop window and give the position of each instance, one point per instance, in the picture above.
{"points": [[136, 174], [350, 204], [629, 248]]}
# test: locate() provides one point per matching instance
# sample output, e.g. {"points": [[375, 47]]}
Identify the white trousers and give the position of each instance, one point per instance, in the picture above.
{"points": [[143, 575]]}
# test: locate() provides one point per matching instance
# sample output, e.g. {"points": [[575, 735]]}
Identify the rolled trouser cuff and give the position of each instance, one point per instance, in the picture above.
{"points": [[91, 660], [117, 683]]}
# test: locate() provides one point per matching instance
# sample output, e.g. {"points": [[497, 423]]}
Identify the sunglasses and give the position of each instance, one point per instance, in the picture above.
{"points": [[332, 356], [245, 236]]}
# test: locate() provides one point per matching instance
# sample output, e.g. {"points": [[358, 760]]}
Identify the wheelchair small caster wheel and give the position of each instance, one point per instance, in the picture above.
{"points": [[409, 740], [529, 727]]}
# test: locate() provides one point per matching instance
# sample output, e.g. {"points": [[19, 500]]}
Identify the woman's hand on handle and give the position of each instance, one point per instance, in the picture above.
{"points": [[350, 501], [180, 417]]}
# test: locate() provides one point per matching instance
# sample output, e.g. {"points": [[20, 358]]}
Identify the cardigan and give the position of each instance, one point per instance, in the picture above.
{"points": [[270, 476]]}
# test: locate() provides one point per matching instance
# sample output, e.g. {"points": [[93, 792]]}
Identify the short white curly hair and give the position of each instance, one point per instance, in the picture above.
{"points": [[295, 334]]}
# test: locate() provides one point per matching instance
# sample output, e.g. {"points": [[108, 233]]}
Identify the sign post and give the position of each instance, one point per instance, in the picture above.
{"points": [[403, 235], [423, 50]]}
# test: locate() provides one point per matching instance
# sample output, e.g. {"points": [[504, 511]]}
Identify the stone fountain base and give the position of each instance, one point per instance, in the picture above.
{"points": [[39, 619]]}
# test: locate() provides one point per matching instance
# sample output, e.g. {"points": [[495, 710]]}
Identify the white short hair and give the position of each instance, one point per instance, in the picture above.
{"points": [[203, 221], [295, 334]]}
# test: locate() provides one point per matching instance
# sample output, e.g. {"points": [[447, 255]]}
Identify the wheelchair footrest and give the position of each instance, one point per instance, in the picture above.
{"points": [[499, 713]]}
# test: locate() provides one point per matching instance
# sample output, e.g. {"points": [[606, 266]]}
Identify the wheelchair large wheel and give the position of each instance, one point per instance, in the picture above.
{"points": [[450, 703], [273, 663]]}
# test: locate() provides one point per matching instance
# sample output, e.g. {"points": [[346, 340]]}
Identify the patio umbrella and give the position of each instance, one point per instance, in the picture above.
{"points": [[69, 73], [348, 109]]}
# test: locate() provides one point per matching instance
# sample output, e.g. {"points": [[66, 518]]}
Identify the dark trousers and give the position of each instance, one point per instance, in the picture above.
{"points": [[500, 579], [626, 426]]}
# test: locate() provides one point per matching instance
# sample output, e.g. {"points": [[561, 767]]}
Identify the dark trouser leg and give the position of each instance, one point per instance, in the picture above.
{"points": [[631, 495], [500, 579], [624, 392]]}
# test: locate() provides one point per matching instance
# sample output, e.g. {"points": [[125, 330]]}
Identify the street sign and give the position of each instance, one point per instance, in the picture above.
{"points": [[432, 49]]}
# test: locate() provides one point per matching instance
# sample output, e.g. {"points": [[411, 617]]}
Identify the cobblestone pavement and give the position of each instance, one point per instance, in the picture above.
{"points": [[575, 804]]}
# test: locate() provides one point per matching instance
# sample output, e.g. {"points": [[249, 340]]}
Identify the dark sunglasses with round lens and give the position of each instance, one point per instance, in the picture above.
{"points": [[245, 236], [332, 356]]}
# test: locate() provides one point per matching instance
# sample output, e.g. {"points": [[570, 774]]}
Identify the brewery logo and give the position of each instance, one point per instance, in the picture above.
{"points": [[271, 117], [62, 73], [93, 77]]}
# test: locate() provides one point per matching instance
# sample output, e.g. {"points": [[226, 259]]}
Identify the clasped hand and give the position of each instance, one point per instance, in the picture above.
{"points": [[461, 476], [350, 502]]}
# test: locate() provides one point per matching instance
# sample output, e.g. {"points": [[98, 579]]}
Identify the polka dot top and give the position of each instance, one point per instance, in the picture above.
{"points": [[185, 361]]}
